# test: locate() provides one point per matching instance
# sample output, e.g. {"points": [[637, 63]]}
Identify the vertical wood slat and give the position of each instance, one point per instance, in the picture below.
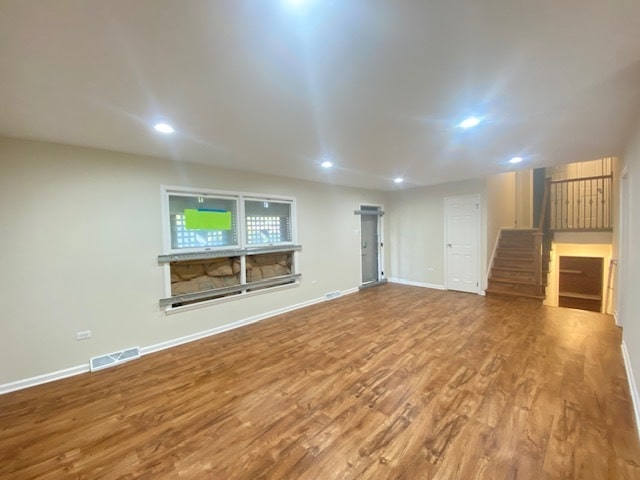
{"points": [[590, 203], [538, 261], [545, 201]]}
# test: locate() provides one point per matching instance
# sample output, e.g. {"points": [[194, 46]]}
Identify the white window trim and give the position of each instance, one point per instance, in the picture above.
{"points": [[239, 197], [292, 213], [190, 192]]}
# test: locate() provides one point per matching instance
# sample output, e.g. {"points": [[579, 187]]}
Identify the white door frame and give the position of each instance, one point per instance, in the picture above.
{"points": [[380, 239], [623, 248], [477, 200]]}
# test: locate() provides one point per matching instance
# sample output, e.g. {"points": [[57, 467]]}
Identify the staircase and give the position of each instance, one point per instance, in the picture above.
{"points": [[520, 267]]}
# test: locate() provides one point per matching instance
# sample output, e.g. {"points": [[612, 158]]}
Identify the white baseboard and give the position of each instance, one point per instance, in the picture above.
{"points": [[45, 378], [347, 292], [416, 284], [231, 326], [633, 388], [84, 368]]}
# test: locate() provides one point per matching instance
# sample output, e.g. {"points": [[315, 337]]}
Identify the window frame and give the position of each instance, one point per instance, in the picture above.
{"points": [[167, 191], [272, 199], [242, 248]]}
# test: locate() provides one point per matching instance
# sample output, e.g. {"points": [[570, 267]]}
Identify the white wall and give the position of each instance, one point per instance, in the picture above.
{"points": [[80, 240], [416, 230], [628, 287]]}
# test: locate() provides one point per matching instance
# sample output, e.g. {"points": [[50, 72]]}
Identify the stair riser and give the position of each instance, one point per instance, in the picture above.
{"points": [[512, 253], [513, 297], [508, 281], [516, 288], [511, 263], [519, 233], [507, 275], [515, 244]]}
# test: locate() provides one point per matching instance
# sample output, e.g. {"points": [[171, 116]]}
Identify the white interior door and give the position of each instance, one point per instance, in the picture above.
{"points": [[462, 236]]}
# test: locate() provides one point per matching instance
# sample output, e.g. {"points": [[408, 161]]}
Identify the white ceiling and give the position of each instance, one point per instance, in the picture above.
{"points": [[379, 86]]}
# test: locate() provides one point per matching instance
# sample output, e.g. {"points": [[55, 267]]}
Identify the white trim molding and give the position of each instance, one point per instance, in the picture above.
{"points": [[85, 368], [633, 388], [45, 378], [416, 284]]}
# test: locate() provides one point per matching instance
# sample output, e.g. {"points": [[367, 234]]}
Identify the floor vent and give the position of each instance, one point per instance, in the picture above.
{"points": [[331, 295], [115, 358]]}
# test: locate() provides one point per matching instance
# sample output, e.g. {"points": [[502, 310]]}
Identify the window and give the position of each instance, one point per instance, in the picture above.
{"points": [[267, 222], [225, 244], [202, 221]]}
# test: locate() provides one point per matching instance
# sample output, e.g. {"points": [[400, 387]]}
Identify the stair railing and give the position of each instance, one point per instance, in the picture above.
{"points": [[582, 204]]}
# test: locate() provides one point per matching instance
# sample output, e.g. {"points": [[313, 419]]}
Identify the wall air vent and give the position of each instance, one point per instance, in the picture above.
{"points": [[115, 358], [332, 295]]}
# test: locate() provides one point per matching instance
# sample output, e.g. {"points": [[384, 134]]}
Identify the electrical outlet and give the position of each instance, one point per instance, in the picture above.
{"points": [[313, 282], [83, 335]]}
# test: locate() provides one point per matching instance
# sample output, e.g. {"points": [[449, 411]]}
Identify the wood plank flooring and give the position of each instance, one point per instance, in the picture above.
{"points": [[392, 382]]}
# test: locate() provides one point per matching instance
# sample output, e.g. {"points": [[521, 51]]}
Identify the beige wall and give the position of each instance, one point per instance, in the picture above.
{"points": [[629, 308], [81, 236], [524, 198], [416, 231], [589, 168], [501, 207], [615, 236]]}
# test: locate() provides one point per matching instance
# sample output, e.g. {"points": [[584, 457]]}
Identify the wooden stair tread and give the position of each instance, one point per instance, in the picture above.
{"points": [[515, 281], [511, 231], [513, 268], [584, 296], [519, 270]]}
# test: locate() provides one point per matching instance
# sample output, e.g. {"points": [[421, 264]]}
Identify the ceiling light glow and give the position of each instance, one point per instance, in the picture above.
{"points": [[295, 3], [326, 164], [515, 160], [163, 128], [398, 180], [469, 122]]}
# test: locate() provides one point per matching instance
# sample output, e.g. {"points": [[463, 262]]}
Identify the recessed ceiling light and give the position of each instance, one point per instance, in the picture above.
{"points": [[326, 164], [398, 180], [469, 122], [515, 160], [163, 128]]}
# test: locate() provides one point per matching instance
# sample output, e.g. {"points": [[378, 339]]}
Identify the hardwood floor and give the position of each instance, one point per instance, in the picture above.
{"points": [[391, 382]]}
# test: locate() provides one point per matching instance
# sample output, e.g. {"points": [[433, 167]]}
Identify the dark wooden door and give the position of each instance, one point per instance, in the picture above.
{"points": [[581, 283]]}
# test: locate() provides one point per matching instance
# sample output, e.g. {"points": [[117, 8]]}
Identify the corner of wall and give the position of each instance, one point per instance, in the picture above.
{"points": [[633, 388]]}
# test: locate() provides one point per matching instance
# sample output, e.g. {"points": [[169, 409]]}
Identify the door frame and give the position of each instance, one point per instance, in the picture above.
{"points": [[380, 245], [478, 201], [624, 221]]}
